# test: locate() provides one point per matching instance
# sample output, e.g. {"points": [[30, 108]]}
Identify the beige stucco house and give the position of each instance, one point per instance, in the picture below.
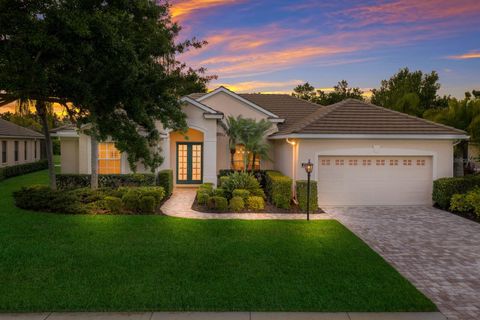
{"points": [[362, 154], [18, 145]]}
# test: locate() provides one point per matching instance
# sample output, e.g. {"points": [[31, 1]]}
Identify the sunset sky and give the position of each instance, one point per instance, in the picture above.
{"points": [[273, 45]]}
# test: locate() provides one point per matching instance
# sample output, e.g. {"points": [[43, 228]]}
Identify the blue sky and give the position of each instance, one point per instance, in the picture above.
{"points": [[273, 45]]}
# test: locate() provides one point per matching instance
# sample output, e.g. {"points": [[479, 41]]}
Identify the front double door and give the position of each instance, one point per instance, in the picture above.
{"points": [[189, 162]]}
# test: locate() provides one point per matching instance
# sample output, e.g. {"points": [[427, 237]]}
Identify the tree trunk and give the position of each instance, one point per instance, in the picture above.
{"points": [[94, 160], [254, 158], [42, 113]]}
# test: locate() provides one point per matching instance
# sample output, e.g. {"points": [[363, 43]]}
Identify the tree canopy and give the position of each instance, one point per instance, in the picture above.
{"points": [[412, 92], [111, 63], [340, 92]]}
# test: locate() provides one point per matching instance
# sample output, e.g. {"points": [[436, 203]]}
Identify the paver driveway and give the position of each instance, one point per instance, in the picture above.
{"points": [[436, 250]]}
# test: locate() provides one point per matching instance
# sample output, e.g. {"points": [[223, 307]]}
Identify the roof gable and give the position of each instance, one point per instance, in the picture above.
{"points": [[232, 94]]}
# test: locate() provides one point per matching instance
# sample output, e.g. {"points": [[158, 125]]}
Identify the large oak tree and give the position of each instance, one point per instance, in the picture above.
{"points": [[110, 63]]}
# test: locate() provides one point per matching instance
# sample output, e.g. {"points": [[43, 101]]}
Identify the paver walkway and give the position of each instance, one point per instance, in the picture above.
{"points": [[224, 316], [437, 251], [180, 205]]}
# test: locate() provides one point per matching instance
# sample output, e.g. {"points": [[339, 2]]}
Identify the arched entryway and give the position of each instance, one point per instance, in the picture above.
{"points": [[187, 150]]}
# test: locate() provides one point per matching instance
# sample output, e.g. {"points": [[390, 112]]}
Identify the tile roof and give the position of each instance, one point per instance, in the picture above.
{"points": [[350, 116], [283, 105], [9, 129], [353, 116]]}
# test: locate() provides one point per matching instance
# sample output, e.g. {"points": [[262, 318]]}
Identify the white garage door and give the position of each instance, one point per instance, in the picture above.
{"points": [[374, 180]]}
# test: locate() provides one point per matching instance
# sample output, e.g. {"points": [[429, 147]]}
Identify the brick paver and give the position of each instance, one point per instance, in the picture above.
{"points": [[180, 205], [437, 251]]}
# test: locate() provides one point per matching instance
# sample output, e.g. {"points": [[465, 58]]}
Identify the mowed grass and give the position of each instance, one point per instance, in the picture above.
{"points": [[52, 262]]}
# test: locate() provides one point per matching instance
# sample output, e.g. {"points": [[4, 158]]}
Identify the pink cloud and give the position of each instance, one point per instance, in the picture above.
{"points": [[411, 11], [468, 55], [182, 8]]}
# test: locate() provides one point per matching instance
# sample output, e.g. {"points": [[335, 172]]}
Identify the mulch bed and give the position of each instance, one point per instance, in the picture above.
{"points": [[269, 208]]}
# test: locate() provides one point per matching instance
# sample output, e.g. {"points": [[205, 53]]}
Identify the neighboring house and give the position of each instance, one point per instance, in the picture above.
{"points": [[19, 145], [363, 154]]}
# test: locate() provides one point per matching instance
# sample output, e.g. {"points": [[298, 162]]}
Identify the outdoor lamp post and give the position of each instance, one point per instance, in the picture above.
{"points": [[308, 168]]}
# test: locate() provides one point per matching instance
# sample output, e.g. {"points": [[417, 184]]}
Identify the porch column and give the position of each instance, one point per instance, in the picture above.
{"points": [[210, 157]]}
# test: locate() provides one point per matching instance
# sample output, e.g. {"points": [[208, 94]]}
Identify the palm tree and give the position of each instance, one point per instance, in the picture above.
{"points": [[251, 134], [461, 114], [232, 128]]}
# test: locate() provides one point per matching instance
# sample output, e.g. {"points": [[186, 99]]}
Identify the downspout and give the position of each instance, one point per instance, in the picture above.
{"points": [[294, 145]]}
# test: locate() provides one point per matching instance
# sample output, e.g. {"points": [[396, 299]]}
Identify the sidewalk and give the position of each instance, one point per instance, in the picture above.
{"points": [[224, 316], [180, 205]]}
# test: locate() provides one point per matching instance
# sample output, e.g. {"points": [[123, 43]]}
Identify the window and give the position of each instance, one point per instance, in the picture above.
{"points": [[420, 162], [108, 158], [379, 162], [367, 162], [15, 150], [238, 159], [407, 162], [325, 162], [352, 162], [339, 162], [25, 150], [4, 151], [394, 162], [35, 149]]}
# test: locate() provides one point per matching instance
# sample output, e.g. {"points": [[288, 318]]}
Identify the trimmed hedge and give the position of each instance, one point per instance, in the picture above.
{"points": [[218, 203], [445, 188], [130, 200], [279, 189], [73, 181], [255, 203], [20, 169], [237, 204], [165, 180], [301, 189], [466, 203]]}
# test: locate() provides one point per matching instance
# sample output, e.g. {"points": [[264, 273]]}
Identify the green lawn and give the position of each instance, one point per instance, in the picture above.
{"points": [[54, 262]]}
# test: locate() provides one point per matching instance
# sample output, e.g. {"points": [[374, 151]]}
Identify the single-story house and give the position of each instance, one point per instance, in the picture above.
{"points": [[19, 145], [363, 154]]}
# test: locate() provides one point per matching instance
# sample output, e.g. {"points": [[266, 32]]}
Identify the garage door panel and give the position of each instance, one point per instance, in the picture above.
{"points": [[374, 180]]}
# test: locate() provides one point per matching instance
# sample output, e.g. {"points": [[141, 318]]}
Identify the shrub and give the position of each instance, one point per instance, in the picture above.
{"points": [[241, 180], [466, 203], [113, 204], [279, 189], [165, 180], [208, 186], [148, 204], [218, 203], [220, 192], [242, 193], [260, 175], [445, 188], [459, 203], [81, 201], [301, 189], [20, 169], [133, 199], [202, 197], [237, 204], [255, 203], [73, 181], [222, 180]]}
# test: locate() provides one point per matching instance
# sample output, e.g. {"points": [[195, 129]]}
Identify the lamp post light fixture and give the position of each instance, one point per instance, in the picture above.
{"points": [[308, 166]]}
